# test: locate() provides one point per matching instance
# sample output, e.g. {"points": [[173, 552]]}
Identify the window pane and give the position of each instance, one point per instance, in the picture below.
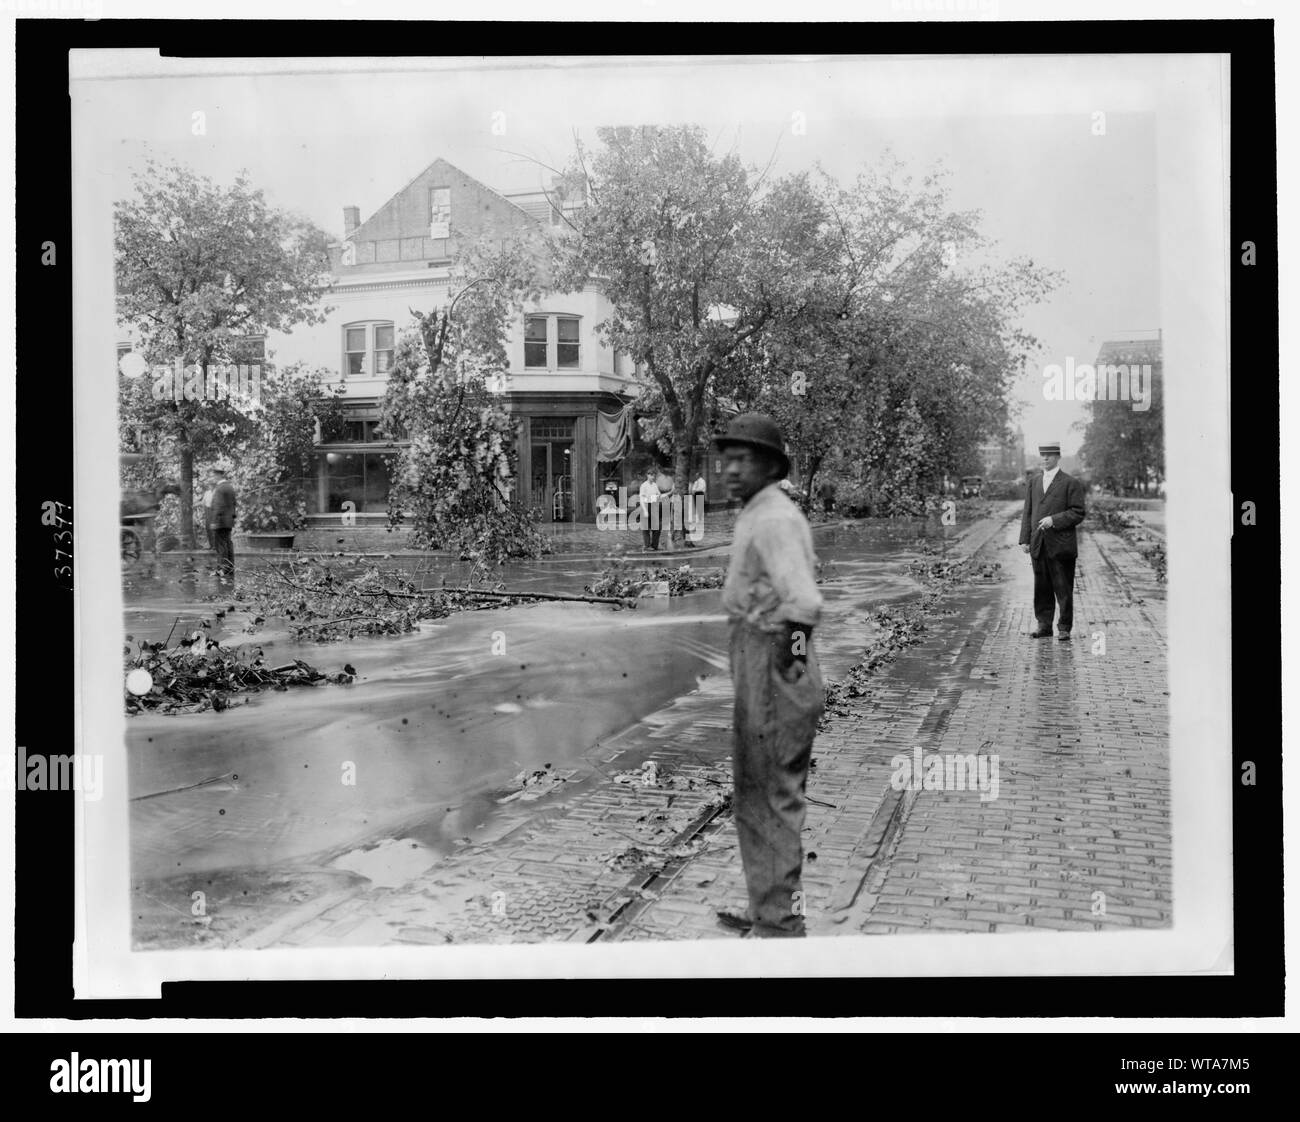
{"points": [[383, 359], [535, 354], [552, 428], [535, 329], [344, 479], [566, 354], [568, 330], [356, 339], [383, 336], [356, 365], [375, 498]]}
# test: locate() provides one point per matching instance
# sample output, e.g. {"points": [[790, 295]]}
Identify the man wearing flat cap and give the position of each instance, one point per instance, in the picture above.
{"points": [[773, 603], [1053, 508]]}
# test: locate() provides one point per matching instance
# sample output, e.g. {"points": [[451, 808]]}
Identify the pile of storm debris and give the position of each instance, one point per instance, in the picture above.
{"points": [[198, 675]]}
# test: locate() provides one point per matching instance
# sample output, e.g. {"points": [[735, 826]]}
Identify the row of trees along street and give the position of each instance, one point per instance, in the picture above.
{"points": [[871, 319]]}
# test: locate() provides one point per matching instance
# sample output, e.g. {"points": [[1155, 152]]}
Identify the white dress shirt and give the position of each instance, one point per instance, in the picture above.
{"points": [[1048, 476]]}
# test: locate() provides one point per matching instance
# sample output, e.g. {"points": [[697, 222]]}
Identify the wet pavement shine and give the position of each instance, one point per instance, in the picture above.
{"points": [[299, 794]]}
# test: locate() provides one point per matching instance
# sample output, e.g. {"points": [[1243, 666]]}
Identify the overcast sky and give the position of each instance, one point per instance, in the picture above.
{"points": [[1017, 136]]}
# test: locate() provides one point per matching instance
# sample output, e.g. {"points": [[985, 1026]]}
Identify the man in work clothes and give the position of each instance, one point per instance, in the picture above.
{"points": [[1053, 508], [772, 600], [222, 520]]}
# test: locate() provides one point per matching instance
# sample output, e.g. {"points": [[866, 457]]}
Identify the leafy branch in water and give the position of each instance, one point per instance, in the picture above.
{"points": [[321, 606], [622, 581]]}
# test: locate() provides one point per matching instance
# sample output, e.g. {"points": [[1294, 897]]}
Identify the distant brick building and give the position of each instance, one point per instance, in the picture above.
{"points": [[1005, 458]]}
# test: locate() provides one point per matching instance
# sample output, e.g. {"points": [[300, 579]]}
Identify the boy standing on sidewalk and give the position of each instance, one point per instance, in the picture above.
{"points": [[772, 599]]}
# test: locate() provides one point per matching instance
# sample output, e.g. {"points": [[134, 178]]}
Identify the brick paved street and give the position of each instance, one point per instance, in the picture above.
{"points": [[1077, 837]]}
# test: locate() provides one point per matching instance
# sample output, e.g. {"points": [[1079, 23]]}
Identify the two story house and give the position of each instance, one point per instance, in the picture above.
{"points": [[561, 384]]}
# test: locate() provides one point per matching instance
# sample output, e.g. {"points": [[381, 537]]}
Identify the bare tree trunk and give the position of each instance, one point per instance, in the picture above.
{"points": [[814, 462], [187, 496], [681, 483]]}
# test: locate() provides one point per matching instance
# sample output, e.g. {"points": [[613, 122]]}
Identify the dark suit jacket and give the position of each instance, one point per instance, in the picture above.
{"points": [[222, 514], [1064, 502]]}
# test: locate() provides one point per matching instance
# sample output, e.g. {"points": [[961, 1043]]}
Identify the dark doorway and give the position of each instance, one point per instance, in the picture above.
{"points": [[551, 468]]}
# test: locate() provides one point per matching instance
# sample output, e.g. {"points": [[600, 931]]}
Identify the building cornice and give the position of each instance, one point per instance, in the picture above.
{"points": [[387, 283]]}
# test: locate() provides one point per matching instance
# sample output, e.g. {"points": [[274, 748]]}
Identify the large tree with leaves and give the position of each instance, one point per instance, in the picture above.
{"points": [[901, 360], [1124, 447], [200, 268], [451, 484], [699, 256]]}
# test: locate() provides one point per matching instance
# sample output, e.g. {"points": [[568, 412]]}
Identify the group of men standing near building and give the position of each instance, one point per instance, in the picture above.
{"points": [[661, 509]]}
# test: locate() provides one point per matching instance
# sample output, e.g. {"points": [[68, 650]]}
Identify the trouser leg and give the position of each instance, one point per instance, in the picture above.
{"points": [[1062, 573], [1044, 592], [225, 547], [775, 722]]}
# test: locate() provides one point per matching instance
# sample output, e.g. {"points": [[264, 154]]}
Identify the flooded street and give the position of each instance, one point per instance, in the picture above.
{"points": [[424, 744]]}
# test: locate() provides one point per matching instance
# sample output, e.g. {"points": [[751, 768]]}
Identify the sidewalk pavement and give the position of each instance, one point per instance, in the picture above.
{"points": [[1077, 838]]}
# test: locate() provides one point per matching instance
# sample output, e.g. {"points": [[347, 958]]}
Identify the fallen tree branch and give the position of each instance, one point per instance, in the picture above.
{"points": [[541, 596]]}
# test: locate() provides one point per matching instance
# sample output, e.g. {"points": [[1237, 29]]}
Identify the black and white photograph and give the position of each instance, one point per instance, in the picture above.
{"points": [[582, 516]]}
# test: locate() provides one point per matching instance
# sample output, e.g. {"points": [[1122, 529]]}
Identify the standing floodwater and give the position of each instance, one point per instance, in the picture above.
{"points": [[437, 722]]}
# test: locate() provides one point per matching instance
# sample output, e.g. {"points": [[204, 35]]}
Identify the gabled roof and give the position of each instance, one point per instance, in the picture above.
{"points": [[438, 169]]}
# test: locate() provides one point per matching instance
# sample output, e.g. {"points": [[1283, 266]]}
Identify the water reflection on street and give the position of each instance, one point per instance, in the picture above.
{"points": [[437, 721]]}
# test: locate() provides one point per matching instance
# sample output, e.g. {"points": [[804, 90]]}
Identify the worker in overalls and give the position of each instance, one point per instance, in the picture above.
{"points": [[772, 600]]}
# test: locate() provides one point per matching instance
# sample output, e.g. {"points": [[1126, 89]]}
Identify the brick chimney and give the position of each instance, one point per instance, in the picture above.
{"points": [[351, 220]]}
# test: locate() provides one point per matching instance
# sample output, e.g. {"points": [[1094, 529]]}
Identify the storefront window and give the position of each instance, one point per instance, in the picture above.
{"points": [[361, 477]]}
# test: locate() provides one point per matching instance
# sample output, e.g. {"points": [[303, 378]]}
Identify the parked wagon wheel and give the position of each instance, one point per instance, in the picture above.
{"points": [[131, 546]]}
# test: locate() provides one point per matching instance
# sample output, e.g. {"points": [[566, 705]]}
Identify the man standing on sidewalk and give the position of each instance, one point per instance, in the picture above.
{"points": [[1053, 508], [649, 498], [772, 600]]}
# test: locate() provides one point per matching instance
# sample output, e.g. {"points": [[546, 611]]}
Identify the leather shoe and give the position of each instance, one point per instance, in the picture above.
{"points": [[734, 922], [1041, 633], [1064, 636]]}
